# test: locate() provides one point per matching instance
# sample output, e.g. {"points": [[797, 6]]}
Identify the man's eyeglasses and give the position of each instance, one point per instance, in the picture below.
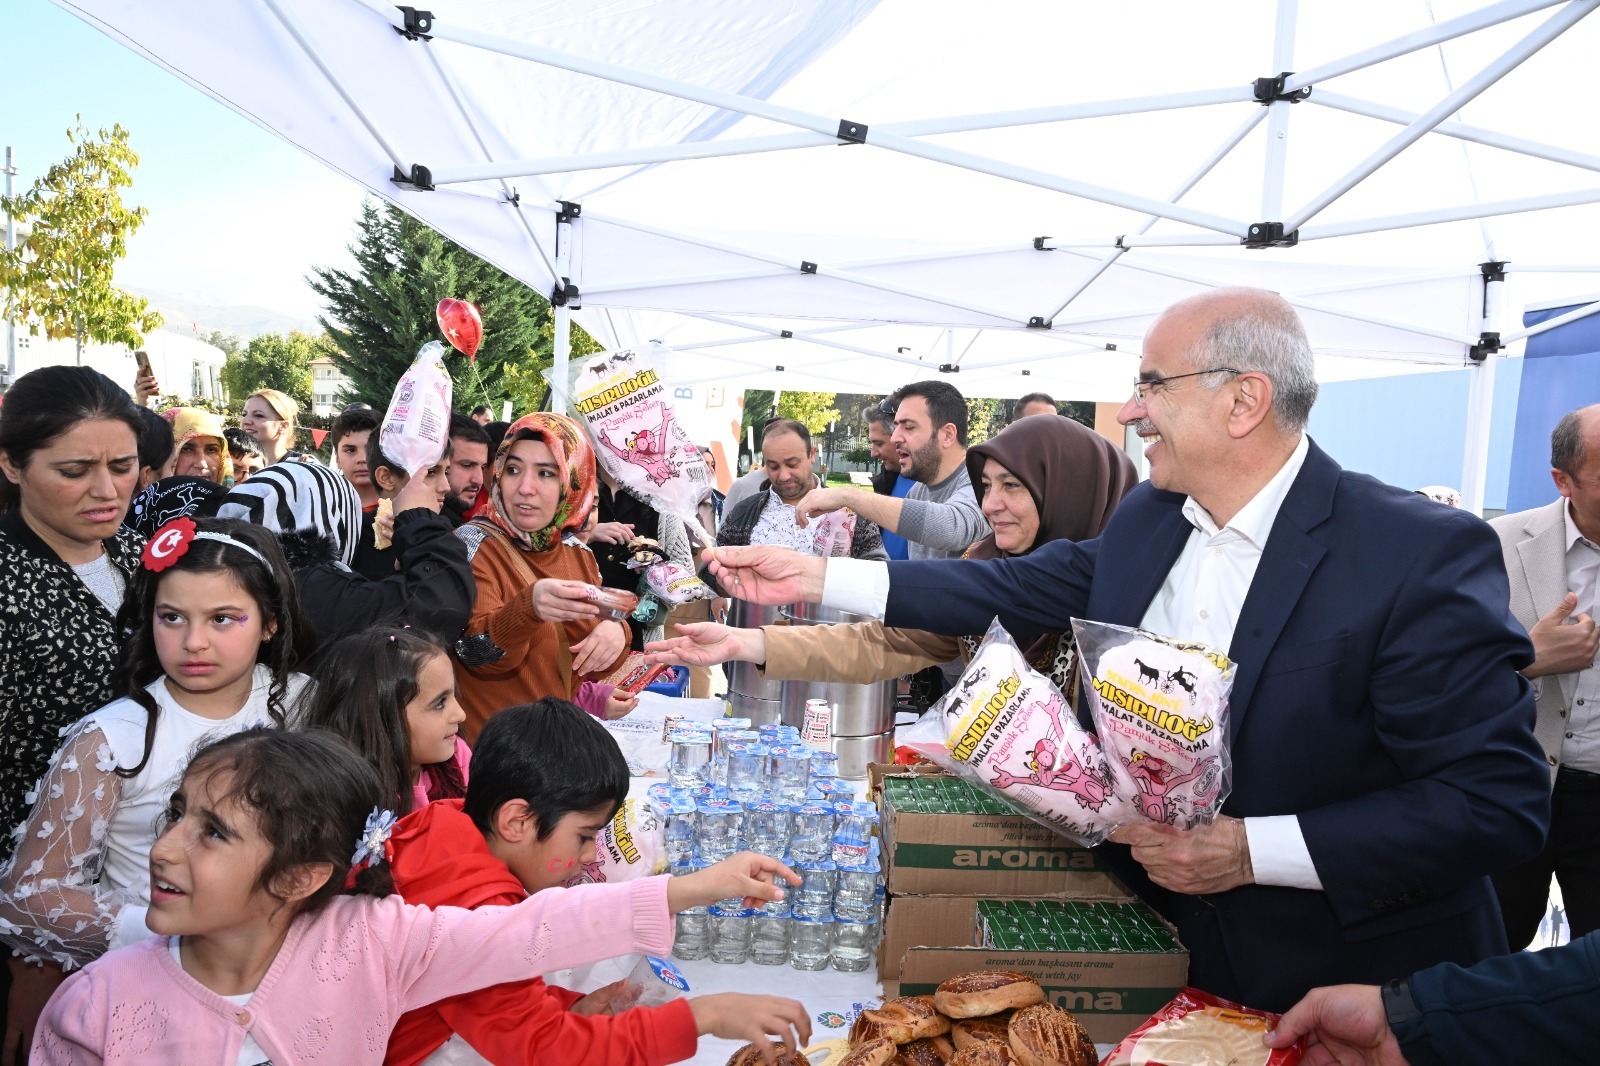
{"points": [[1145, 386]]}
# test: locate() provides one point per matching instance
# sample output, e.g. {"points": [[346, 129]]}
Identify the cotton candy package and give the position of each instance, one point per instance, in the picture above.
{"points": [[626, 409], [1161, 712], [1199, 1029], [632, 845], [416, 428], [1006, 728], [831, 535]]}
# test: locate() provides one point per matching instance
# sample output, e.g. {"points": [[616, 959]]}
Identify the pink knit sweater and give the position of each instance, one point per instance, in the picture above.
{"points": [[342, 978]]}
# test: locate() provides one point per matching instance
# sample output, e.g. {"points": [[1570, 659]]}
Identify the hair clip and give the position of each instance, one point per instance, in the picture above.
{"points": [[170, 543], [372, 847]]}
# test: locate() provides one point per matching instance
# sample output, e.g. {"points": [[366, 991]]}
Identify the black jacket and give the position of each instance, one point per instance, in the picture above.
{"points": [[433, 589], [58, 646]]}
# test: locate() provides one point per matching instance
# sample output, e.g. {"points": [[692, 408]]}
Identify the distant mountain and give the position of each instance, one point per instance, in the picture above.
{"points": [[190, 315]]}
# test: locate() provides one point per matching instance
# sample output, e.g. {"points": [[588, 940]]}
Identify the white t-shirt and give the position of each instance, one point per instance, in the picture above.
{"points": [[178, 734]]}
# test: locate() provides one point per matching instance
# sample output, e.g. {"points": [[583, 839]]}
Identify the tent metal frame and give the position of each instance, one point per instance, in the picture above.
{"points": [[1278, 93]]}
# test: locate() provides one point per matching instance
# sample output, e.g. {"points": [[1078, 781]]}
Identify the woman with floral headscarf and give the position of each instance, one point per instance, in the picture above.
{"points": [[520, 644]]}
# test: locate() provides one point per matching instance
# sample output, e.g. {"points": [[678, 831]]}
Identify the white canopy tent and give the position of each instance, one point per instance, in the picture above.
{"points": [[850, 194]]}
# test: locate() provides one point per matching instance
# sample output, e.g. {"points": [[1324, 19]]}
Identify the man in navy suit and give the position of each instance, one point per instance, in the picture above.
{"points": [[1384, 763]]}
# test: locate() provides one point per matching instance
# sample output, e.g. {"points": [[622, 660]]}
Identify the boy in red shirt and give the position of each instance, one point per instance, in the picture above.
{"points": [[545, 778]]}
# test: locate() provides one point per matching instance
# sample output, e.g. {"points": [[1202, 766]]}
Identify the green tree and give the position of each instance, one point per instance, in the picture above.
{"points": [[379, 316], [230, 343], [814, 410], [59, 278], [525, 384], [985, 418], [276, 361]]}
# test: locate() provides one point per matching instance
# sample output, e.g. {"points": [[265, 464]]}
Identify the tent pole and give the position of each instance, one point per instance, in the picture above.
{"points": [[1278, 114], [1122, 244], [1483, 18], [1451, 214], [1480, 395], [311, 53], [1560, 320], [1458, 130], [1548, 31], [563, 317]]}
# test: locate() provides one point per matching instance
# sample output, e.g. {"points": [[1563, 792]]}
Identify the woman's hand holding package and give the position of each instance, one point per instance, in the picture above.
{"points": [[600, 648], [708, 644], [555, 600]]}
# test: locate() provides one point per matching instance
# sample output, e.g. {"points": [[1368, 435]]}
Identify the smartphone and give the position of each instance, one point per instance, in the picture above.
{"points": [[143, 359]]}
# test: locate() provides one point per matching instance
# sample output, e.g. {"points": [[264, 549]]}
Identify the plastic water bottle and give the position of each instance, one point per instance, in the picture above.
{"points": [[824, 763], [815, 895], [692, 936], [811, 832], [856, 898], [810, 941], [651, 983], [769, 935], [853, 944], [731, 929], [689, 765], [678, 828], [852, 834], [747, 770], [719, 824], [790, 772], [767, 826]]}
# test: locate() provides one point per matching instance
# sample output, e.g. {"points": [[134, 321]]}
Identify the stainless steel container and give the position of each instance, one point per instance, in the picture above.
{"points": [[743, 677], [814, 614], [759, 711], [856, 752], [858, 710]]}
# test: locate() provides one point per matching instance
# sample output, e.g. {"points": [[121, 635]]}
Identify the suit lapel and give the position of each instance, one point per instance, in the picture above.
{"points": [[1543, 555], [1287, 563], [1137, 587]]}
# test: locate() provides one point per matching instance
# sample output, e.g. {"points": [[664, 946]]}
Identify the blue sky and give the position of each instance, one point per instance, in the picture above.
{"points": [[237, 216]]}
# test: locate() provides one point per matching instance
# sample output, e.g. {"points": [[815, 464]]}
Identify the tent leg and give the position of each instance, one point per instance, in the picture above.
{"points": [[563, 317], [1480, 400]]}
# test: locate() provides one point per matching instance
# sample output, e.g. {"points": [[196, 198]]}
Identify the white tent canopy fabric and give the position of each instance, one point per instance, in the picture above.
{"points": [[909, 186]]}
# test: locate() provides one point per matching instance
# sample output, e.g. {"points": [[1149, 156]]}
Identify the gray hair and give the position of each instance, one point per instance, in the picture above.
{"points": [[1267, 338], [874, 414], [1566, 442]]}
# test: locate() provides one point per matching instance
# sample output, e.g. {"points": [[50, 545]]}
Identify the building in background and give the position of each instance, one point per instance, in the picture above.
{"points": [[327, 385], [185, 366]]}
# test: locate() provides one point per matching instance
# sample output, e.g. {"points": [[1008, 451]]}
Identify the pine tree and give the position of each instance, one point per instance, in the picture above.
{"points": [[380, 315]]}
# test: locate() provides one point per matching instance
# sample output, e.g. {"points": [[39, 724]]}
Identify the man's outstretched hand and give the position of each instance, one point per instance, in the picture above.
{"points": [[767, 575]]}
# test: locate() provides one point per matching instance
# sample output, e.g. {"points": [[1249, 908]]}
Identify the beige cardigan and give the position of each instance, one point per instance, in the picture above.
{"points": [[860, 653]]}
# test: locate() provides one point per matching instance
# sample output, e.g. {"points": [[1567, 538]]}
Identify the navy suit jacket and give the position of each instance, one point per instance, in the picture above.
{"points": [[1376, 696]]}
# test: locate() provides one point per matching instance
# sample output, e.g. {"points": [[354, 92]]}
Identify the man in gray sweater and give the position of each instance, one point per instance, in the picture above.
{"points": [[939, 516]]}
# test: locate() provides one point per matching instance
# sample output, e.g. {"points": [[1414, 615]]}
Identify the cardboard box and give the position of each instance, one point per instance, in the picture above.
{"points": [[992, 855], [938, 921], [1109, 993]]}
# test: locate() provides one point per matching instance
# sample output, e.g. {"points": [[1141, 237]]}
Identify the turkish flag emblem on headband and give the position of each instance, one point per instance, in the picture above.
{"points": [[170, 543]]}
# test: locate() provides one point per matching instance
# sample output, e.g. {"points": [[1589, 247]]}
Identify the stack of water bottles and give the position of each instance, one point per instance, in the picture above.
{"points": [[732, 788]]}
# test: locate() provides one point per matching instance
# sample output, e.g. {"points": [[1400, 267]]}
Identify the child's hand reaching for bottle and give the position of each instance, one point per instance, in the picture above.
{"points": [[737, 1016], [755, 877]]}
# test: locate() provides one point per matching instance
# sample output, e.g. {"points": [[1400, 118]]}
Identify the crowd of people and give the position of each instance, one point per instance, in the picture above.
{"points": [[259, 712]]}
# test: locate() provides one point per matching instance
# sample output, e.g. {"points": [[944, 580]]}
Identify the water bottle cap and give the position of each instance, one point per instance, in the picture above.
{"points": [[668, 973], [811, 808], [812, 919], [719, 911]]}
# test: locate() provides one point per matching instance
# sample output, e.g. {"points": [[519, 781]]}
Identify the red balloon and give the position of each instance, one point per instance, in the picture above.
{"points": [[462, 326]]}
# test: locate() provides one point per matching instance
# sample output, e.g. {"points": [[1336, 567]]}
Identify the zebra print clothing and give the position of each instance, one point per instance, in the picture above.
{"points": [[299, 498], [58, 646]]}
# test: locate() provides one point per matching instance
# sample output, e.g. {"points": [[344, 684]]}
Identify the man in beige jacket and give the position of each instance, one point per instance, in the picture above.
{"points": [[1552, 556]]}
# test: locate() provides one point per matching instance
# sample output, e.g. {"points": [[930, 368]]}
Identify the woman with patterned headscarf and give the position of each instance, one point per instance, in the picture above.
{"points": [[199, 448], [525, 555]]}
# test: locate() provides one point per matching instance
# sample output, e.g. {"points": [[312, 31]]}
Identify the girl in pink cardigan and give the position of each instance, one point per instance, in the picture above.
{"points": [[261, 959]]}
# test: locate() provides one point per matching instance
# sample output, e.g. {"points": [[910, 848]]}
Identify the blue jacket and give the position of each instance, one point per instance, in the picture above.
{"points": [[1376, 696], [1534, 1006]]}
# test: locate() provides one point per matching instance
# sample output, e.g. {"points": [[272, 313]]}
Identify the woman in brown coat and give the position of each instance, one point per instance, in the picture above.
{"points": [[1042, 478], [519, 643]]}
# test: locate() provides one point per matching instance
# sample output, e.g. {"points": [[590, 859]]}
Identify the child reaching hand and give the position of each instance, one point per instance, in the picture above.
{"points": [[261, 958], [391, 693], [215, 626], [546, 777]]}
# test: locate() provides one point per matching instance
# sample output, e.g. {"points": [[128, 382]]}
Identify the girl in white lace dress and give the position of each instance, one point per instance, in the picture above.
{"points": [[216, 629]]}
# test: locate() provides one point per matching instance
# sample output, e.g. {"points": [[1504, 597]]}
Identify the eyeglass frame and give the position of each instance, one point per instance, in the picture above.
{"points": [[1140, 385]]}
